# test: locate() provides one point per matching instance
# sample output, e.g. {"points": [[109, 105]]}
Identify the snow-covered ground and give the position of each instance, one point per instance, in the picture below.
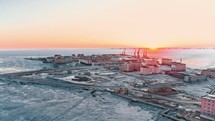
{"points": [[198, 89], [33, 102]]}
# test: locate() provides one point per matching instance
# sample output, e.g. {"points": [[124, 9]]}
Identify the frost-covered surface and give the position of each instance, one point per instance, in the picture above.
{"points": [[33, 102], [156, 78], [198, 89]]}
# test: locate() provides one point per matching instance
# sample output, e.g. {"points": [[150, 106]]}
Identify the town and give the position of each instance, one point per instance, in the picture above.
{"points": [[160, 82]]}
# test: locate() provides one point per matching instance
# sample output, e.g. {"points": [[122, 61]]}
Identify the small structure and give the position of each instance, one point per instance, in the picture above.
{"points": [[122, 91], [165, 68], [58, 59], [58, 56], [178, 67], [87, 62], [49, 59], [208, 107], [114, 65], [80, 55], [81, 78], [139, 94], [63, 59], [176, 75], [166, 61], [162, 89], [209, 72], [87, 73], [195, 78], [115, 59]]}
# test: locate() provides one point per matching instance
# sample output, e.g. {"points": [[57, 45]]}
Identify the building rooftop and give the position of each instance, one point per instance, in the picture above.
{"points": [[166, 59], [210, 69], [156, 66], [209, 97], [129, 59], [160, 85], [177, 63], [144, 67]]}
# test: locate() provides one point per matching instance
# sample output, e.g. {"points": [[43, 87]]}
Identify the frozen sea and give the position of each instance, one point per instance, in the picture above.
{"points": [[45, 103]]}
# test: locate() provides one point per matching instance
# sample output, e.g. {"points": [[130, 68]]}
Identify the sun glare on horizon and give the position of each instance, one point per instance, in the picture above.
{"points": [[153, 48]]}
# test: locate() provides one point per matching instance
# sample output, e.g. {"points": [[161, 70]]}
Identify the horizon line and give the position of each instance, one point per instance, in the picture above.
{"points": [[106, 48]]}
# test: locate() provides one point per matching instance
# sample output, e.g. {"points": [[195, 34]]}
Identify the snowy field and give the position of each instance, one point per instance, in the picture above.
{"points": [[42, 103]]}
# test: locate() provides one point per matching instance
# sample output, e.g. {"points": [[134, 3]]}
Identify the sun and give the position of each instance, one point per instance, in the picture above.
{"points": [[153, 47]]}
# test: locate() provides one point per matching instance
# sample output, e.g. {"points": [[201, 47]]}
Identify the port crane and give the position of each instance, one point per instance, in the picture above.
{"points": [[123, 51], [145, 52], [137, 52]]}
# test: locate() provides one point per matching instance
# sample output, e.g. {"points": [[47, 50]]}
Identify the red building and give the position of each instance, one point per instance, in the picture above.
{"points": [[208, 107]]}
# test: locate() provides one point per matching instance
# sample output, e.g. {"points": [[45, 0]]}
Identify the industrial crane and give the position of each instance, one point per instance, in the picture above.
{"points": [[145, 51], [123, 52], [135, 50], [138, 53]]}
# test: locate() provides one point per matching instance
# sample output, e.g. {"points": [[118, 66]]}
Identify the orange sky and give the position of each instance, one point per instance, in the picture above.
{"points": [[111, 23]]}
